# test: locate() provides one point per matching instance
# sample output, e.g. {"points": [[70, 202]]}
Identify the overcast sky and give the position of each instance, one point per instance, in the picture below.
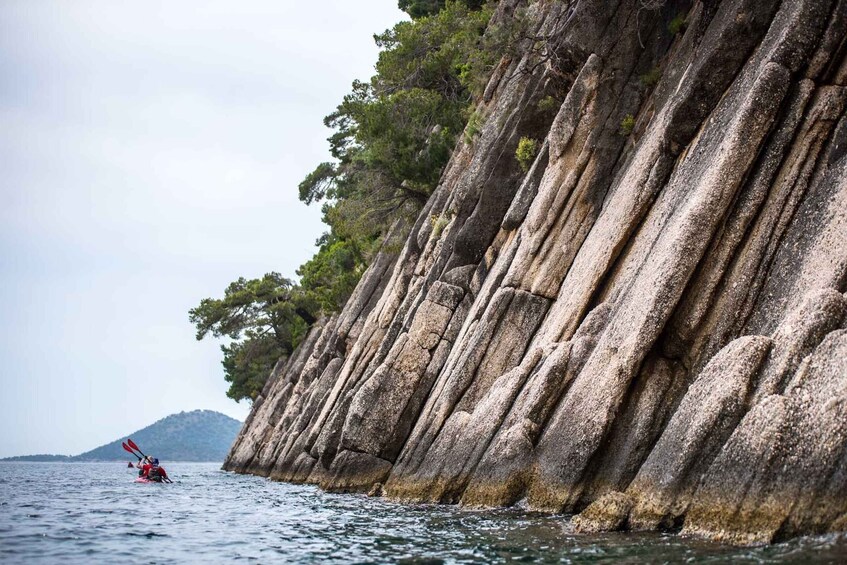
{"points": [[150, 154]]}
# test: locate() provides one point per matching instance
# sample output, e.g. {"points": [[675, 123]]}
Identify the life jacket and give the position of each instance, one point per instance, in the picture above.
{"points": [[153, 474]]}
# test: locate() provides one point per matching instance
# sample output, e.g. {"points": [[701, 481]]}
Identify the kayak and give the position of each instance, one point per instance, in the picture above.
{"points": [[146, 480]]}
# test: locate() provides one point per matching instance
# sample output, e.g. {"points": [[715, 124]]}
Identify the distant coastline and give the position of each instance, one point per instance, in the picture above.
{"points": [[198, 436], [40, 458]]}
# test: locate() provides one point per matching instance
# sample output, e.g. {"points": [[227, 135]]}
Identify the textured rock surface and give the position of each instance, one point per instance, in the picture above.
{"points": [[646, 327]]}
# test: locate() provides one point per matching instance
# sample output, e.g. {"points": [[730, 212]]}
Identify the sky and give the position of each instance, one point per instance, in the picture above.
{"points": [[150, 154]]}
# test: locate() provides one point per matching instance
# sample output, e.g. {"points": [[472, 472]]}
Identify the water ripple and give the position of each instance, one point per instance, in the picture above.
{"points": [[84, 512]]}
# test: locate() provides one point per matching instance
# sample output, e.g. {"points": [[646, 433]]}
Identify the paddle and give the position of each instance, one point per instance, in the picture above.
{"points": [[135, 447], [126, 447]]}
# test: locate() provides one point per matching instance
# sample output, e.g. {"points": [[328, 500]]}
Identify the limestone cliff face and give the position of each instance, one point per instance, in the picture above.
{"points": [[648, 327]]}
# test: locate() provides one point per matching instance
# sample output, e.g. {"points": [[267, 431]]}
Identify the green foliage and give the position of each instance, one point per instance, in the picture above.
{"points": [[247, 365], [401, 141], [526, 152], [627, 124], [331, 275], [392, 137], [677, 25], [423, 8], [393, 134], [317, 183], [265, 319], [651, 78], [420, 8], [548, 104], [438, 223], [433, 52], [474, 126]]}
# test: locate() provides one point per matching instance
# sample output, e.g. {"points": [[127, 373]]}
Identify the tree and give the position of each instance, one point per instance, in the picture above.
{"points": [[331, 275], [392, 137], [423, 8], [265, 319]]}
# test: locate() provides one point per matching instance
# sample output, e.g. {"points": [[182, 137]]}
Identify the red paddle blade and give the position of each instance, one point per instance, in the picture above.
{"points": [[126, 447], [132, 444]]}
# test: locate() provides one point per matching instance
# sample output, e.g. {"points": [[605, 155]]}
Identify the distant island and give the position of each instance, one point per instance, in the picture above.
{"points": [[200, 435], [41, 457]]}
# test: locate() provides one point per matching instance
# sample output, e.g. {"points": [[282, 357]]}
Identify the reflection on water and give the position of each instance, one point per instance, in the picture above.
{"points": [[93, 511]]}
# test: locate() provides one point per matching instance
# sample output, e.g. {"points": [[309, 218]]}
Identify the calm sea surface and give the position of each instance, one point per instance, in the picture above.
{"points": [[94, 513]]}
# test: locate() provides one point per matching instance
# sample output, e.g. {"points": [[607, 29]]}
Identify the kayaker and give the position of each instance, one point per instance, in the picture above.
{"points": [[157, 473], [144, 465]]}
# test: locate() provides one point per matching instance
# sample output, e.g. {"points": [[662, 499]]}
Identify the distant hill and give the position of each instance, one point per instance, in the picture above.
{"points": [[201, 435], [42, 457]]}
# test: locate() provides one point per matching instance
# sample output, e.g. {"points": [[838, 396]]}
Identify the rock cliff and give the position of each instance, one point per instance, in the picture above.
{"points": [[648, 327]]}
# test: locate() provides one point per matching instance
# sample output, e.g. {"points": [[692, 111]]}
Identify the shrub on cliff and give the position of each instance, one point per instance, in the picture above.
{"points": [[422, 8], [526, 151], [394, 134], [330, 276], [392, 138], [265, 319]]}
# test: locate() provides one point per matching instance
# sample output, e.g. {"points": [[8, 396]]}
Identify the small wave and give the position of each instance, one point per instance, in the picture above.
{"points": [[217, 517]]}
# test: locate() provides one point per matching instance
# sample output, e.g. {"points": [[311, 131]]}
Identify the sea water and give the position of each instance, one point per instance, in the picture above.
{"points": [[95, 513]]}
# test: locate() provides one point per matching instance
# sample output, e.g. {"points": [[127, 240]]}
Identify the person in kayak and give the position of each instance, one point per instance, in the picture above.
{"points": [[144, 466], [156, 473]]}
